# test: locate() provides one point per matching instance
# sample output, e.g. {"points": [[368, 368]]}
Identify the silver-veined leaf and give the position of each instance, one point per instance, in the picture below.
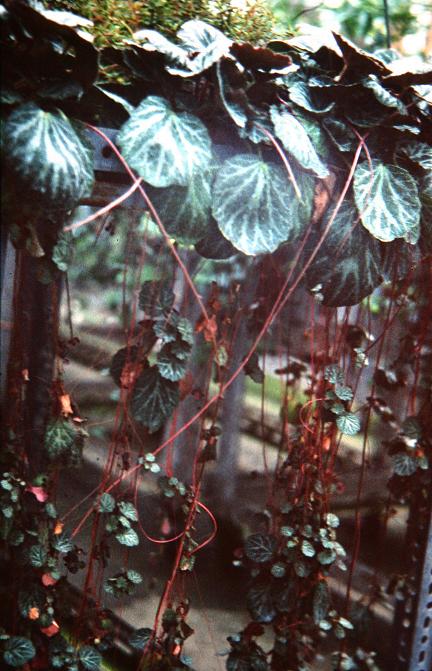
{"points": [[18, 650], [255, 205], [383, 96], [170, 366], [403, 464], [207, 43], [347, 267], [185, 211], [128, 537], [296, 141], [90, 658], [348, 423], [59, 437], [417, 152], [388, 201], [426, 214], [163, 146], [260, 548], [154, 399], [47, 157]]}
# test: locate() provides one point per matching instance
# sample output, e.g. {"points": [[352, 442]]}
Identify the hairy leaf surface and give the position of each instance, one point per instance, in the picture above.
{"points": [[163, 146], [47, 156], [255, 205], [388, 201], [296, 141]]}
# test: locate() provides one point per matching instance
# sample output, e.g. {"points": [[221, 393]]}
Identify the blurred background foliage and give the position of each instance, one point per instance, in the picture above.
{"points": [[258, 21]]}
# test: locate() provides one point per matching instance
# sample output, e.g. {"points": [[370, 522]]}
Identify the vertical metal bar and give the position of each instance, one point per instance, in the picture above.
{"points": [[412, 634], [421, 649]]}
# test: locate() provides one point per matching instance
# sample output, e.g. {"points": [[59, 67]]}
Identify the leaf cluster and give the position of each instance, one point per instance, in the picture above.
{"points": [[155, 388]]}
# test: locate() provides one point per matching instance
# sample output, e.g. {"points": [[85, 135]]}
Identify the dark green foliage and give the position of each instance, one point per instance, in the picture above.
{"points": [[17, 651]]}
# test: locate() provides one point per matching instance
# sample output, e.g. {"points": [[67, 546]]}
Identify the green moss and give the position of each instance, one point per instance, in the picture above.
{"points": [[114, 21]]}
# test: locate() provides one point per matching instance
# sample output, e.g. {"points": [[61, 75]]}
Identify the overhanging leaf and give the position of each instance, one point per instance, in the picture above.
{"points": [[296, 141], [382, 95], [207, 44], [233, 97], [388, 201], [154, 399], [46, 157], [18, 650], [417, 152], [185, 211], [255, 204], [308, 98], [164, 147], [348, 264]]}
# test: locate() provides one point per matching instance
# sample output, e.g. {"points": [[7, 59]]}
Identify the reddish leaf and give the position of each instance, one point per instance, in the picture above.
{"points": [[48, 580], [52, 630], [38, 492], [65, 403], [33, 613]]}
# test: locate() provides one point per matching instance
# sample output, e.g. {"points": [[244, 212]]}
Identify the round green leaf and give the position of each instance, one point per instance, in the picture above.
{"points": [[18, 650], [169, 366], [164, 147], [255, 204], [129, 538], [59, 437], [154, 399], [388, 201], [296, 141], [260, 548], [403, 464], [307, 548], [106, 503], [128, 510], [348, 423], [48, 158], [134, 577], [90, 658]]}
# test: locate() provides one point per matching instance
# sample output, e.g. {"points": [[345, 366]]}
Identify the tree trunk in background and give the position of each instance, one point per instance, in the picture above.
{"points": [[32, 357]]}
